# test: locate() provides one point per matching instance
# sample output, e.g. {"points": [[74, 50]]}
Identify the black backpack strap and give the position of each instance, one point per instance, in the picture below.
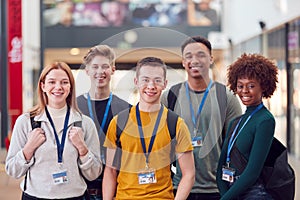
{"points": [[121, 123], [172, 118], [78, 124], [34, 124], [172, 96], [85, 194], [236, 157], [122, 119]]}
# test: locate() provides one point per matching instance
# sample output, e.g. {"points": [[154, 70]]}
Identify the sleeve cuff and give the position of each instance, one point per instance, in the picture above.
{"points": [[26, 162], [85, 158]]}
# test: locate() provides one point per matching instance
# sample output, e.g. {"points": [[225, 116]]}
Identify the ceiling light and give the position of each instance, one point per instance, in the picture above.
{"points": [[75, 51]]}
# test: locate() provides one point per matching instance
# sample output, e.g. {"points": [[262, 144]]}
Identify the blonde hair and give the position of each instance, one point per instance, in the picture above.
{"points": [[100, 50], [42, 97]]}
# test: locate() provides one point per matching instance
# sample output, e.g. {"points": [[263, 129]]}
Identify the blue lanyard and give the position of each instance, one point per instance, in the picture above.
{"points": [[233, 138], [106, 109], [187, 90], [138, 118], [60, 146]]}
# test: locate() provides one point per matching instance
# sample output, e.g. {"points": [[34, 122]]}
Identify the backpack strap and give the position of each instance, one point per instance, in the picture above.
{"points": [[236, 157], [121, 123], [172, 118], [221, 96], [34, 124], [85, 194], [122, 119], [78, 124], [172, 96]]}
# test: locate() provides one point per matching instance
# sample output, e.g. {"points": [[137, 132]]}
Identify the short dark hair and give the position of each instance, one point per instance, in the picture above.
{"points": [[196, 39], [254, 66], [151, 61]]}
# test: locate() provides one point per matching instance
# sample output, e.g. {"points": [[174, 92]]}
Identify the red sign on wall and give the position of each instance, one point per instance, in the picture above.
{"points": [[14, 59]]}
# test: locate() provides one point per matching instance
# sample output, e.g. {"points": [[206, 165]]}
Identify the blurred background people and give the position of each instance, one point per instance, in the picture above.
{"points": [[200, 13]]}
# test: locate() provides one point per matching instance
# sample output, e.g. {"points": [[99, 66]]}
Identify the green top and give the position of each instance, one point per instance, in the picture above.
{"points": [[254, 142]]}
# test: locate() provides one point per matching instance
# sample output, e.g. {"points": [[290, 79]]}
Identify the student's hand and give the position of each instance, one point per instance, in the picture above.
{"points": [[35, 139], [76, 137]]}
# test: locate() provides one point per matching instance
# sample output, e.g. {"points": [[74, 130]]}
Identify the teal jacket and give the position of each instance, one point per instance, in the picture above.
{"points": [[254, 142]]}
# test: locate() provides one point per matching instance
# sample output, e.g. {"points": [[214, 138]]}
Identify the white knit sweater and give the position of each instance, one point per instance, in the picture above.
{"points": [[44, 162]]}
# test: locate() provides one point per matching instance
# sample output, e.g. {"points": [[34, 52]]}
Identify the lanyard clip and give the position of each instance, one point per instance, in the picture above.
{"points": [[227, 164], [60, 164], [147, 165]]}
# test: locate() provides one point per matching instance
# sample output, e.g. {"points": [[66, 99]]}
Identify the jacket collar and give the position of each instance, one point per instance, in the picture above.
{"points": [[74, 117]]}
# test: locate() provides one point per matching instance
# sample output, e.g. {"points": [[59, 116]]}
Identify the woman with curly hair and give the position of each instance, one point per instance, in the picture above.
{"points": [[252, 77]]}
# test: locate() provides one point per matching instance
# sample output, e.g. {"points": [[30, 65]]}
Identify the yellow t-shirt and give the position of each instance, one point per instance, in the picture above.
{"points": [[133, 159]]}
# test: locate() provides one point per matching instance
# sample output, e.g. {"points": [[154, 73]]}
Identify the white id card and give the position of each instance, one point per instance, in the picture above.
{"points": [[147, 177], [228, 174], [197, 141], [60, 177]]}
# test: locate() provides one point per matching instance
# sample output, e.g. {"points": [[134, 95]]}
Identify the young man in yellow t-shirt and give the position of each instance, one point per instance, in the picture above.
{"points": [[144, 171]]}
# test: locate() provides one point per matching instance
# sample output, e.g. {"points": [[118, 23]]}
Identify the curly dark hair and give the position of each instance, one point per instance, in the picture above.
{"points": [[254, 66]]}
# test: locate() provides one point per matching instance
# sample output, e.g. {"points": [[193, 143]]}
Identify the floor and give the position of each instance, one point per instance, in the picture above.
{"points": [[10, 189]]}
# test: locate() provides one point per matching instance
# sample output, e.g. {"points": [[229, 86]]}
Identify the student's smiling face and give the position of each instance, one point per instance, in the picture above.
{"points": [[100, 70], [56, 87], [249, 91], [197, 60], [150, 83]]}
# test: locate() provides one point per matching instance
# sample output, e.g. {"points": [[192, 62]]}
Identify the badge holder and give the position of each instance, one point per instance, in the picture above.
{"points": [[228, 174], [147, 176], [197, 141], [60, 177]]}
